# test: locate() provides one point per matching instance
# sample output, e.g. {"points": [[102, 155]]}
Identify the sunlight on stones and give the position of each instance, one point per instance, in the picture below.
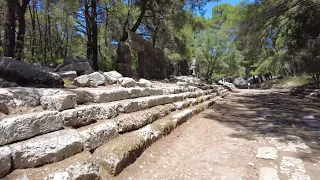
{"points": [[267, 153], [293, 168], [268, 174]]}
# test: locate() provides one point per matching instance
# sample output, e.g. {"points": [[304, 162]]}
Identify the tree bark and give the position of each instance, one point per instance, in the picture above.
{"points": [[21, 11], [94, 35], [10, 39]]}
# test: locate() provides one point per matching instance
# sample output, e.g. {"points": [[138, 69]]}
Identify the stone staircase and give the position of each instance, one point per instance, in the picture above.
{"points": [[307, 91], [90, 133]]}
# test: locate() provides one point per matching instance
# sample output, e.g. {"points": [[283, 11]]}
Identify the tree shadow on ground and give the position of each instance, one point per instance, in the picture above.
{"points": [[270, 114]]}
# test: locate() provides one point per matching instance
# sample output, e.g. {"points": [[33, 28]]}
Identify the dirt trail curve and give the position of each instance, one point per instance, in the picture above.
{"points": [[265, 135]]}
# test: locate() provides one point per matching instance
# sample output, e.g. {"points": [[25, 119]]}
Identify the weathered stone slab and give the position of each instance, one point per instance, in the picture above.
{"points": [[79, 166], [71, 75], [29, 125], [293, 168], [112, 76], [59, 102], [267, 173], [47, 148], [144, 83], [5, 160], [148, 133], [181, 105], [133, 121], [127, 82], [81, 81], [120, 152], [88, 114], [164, 125], [267, 153], [97, 134], [182, 116]]}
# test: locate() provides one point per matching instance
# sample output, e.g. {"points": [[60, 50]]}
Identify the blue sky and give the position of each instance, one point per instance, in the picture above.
{"points": [[209, 6]]}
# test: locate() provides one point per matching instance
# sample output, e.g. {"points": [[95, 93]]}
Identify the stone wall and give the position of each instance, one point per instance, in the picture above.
{"points": [[151, 61]]}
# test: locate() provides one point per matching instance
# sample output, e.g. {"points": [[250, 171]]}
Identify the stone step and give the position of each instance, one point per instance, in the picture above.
{"points": [[117, 154], [31, 97], [56, 146], [79, 166], [59, 145], [26, 126]]}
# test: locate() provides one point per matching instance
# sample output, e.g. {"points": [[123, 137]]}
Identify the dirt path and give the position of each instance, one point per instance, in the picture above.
{"points": [[264, 135]]}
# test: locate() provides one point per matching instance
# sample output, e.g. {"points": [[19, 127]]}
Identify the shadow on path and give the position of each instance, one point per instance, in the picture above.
{"points": [[270, 113]]}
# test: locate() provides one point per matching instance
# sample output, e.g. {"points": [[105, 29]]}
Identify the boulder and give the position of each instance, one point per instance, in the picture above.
{"points": [[71, 75], [144, 83], [96, 79], [112, 76], [239, 81], [59, 102], [81, 81], [127, 82], [25, 74], [5, 160], [3, 108], [79, 64]]}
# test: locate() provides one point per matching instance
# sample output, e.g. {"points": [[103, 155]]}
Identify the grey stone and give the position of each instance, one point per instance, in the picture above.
{"points": [[26, 96], [144, 83], [71, 75], [45, 149], [85, 115], [27, 74], [59, 102], [267, 153], [112, 76], [96, 79], [80, 170], [81, 81], [182, 116], [79, 64], [97, 134], [127, 82], [148, 133], [240, 82], [267, 173], [293, 168], [29, 125], [180, 83], [3, 108], [5, 160]]}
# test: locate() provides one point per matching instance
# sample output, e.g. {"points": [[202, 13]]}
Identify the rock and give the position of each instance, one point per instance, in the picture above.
{"points": [[79, 64], [71, 75], [127, 82], [240, 82], [81, 170], [148, 133], [144, 83], [267, 153], [29, 125], [4, 109], [4, 83], [267, 173], [81, 81], [98, 134], [180, 83], [59, 102], [112, 76], [45, 149], [5, 160], [27, 75], [96, 79]]}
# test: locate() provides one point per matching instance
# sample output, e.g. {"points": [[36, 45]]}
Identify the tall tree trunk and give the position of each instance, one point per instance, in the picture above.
{"points": [[33, 27], [10, 27], [21, 11], [94, 34]]}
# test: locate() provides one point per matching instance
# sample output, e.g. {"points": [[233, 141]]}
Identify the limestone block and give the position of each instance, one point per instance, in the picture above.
{"points": [[29, 125], [5, 160], [47, 148], [59, 102]]}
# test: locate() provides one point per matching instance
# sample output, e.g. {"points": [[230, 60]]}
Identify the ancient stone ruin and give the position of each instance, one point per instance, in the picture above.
{"points": [[151, 61]]}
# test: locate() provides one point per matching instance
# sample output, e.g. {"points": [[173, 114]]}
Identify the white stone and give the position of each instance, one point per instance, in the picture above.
{"points": [[5, 160], [97, 134], [180, 83], [81, 81], [144, 83], [148, 133], [267, 153], [182, 116], [96, 79], [293, 168], [112, 76], [80, 170], [29, 125], [59, 102], [67, 74], [127, 82], [267, 173], [45, 149]]}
